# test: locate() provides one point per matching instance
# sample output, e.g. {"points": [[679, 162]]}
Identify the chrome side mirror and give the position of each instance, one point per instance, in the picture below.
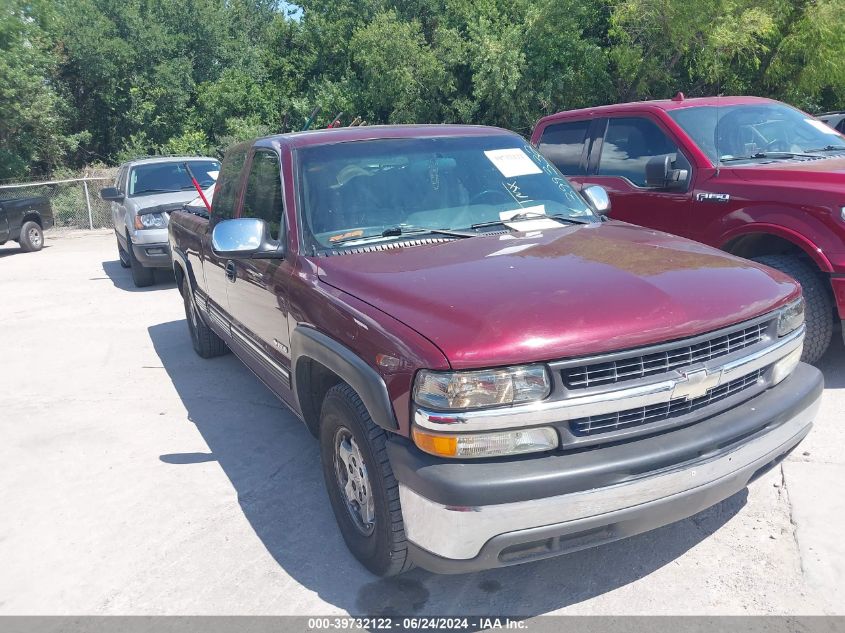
{"points": [[597, 198], [243, 238]]}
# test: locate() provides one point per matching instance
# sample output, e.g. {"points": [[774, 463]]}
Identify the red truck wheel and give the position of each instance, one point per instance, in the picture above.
{"points": [[362, 489], [818, 307]]}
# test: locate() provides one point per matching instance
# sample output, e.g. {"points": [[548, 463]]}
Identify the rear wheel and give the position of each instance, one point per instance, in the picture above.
{"points": [[362, 489], [818, 305], [32, 237], [141, 277], [206, 343]]}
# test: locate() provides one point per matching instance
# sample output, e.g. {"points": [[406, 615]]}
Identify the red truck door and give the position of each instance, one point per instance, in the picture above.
{"points": [[617, 151], [258, 294]]}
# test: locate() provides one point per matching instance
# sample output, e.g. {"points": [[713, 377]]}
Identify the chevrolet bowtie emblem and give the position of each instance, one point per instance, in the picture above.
{"points": [[696, 384]]}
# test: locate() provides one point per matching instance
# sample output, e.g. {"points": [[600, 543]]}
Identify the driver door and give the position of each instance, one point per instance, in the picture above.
{"points": [[618, 163], [258, 294]]}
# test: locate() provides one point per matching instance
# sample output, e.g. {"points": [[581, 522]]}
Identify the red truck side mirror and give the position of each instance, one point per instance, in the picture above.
{"points": [[660, 175]]}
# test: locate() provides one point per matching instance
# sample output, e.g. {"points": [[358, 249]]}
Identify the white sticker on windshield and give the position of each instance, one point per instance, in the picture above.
{"points": [[512, 162], [822, 127], [214, 173]]}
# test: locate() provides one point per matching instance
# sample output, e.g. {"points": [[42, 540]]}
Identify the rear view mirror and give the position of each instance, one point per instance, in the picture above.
{"points": [[598, 199], [244, 238], [111, 194], [660, 175]]}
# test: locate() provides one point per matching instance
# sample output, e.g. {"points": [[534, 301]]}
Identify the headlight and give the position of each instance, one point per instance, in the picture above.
{"points": [[486, 388], [492, 444], [150, 221], [791, 317]]}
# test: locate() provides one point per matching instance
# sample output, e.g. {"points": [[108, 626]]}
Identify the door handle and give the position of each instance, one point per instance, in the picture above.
{"points": [[231, 271]]}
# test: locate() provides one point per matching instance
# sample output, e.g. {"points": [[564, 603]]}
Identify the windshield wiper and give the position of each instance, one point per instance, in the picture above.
{"points": [[767, 155], [531, 216], [827, 148], [155, 191], [398, 231]]}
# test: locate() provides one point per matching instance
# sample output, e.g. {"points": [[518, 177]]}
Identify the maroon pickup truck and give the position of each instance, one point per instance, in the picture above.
{"points": [[753, 177], [495, 373]]}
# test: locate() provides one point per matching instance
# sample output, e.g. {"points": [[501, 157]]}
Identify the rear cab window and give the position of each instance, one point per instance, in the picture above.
{"points": [[563, 145]]}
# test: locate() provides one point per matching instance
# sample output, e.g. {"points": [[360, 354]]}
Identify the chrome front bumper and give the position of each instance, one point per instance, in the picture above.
{"points": [[478, 537]]}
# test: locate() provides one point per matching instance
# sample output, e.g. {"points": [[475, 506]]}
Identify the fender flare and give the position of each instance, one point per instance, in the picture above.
{"points": [[809, 248], [306, 342], [180, 260]]}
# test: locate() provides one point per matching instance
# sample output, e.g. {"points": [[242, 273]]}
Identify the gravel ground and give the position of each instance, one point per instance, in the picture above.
{"points": [[138, 478]]}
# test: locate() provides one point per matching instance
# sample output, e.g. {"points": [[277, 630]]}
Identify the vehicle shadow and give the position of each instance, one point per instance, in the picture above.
{"points": [[273, 464], [6, 251], [122, 278]]}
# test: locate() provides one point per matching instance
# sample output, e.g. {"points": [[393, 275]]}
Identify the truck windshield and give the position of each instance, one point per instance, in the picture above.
{"points": [[756, 131], [167, 177], [386, 188]]}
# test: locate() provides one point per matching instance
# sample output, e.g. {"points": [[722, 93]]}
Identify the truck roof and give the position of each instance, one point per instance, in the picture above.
{"points": [[370, 132], [660, 104]]}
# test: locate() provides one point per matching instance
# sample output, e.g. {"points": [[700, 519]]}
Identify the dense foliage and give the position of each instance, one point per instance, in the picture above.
{"points": [[86, 81]]}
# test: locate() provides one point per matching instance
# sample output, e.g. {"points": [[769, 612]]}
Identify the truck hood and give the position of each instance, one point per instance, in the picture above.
{"points": [[564, 292], [808, 172]]}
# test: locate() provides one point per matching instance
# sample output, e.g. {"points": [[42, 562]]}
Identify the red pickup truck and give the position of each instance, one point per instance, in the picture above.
{"points": [[753, 177], [494, 373]]}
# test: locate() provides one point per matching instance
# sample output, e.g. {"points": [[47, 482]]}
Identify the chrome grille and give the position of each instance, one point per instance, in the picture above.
{"points": [[641, 366], [640, 416]]}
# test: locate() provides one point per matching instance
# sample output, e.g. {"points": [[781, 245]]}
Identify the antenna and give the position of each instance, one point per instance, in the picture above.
{"points": [[718, 100]]}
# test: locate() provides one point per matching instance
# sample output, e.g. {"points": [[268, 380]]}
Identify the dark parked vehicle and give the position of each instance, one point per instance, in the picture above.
{"points": [[754, 177], [495, 375], [24, 220], [836, 120]]}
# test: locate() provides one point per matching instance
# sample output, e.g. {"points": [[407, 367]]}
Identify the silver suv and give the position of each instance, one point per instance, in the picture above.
{"points": [[144, 193]]}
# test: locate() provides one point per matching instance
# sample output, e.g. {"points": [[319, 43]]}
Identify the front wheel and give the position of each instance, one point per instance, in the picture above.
{"points": [[818, 307], [122, 254], [362, 489], [32, 237], [141, 277]]}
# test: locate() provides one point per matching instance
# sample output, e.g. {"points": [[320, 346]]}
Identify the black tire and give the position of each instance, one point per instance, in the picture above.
{"points": [[818, 304], [32, 237], [122, 255], [381, 548], [141, 277], [206, 343]]}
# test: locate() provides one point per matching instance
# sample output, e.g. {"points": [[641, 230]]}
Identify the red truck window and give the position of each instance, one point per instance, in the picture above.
{"points": [[263, 196], [563, 145], [629, 143], [228, 182]]}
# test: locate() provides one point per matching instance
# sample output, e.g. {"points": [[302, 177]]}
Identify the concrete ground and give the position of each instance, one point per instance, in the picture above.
{"points": [[137, 478]]}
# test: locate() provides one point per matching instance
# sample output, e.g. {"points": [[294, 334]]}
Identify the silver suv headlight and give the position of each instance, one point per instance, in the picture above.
{"points": [[791, 317], [451, 390], [150, 221]]}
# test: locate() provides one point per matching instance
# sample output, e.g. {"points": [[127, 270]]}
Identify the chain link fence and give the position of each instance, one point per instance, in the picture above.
{"points": [[75, 202]]}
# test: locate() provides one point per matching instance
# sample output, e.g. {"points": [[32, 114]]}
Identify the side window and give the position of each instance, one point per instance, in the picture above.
{"points": [[263, 196], [120, 181], [841, 126], [628, 145], [563, 143], [226, 191]]}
